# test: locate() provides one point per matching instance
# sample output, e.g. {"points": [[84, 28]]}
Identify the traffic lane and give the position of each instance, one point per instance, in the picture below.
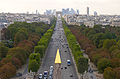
{"points": [[65, 55], [70, 69], [58, 44], [49, 58], [50, 55]]}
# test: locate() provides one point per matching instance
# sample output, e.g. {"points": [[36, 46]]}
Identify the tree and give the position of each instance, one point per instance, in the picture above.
{"points": [[34, 62], [117, 72], [6, 71], [112, 48], [40, 49], [115, 53], [13, 30], [102, 64], [96, 58], [21, 35], [108, 43], [97, 38], [109, 73], [26, 45], [3, 51], [19, 53], [115, 62], [82, 65], [33, 66]]}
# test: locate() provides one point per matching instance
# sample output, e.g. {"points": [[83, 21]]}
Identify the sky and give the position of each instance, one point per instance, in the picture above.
{"points": [[110, 7]]}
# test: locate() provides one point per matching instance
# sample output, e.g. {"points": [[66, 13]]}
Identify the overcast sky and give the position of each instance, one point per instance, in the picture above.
{"points": [[22, 6]]}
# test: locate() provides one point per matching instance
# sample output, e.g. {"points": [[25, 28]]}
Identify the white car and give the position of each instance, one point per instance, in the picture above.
{"points": [[51, 68], [40, 76]]}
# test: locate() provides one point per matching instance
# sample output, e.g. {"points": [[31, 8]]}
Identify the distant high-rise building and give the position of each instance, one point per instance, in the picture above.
{"points": [[95, 13], [87, 11], [72, 11], [36, 11], [63, 11], [77, 11], [48, 12], [54, 12]]}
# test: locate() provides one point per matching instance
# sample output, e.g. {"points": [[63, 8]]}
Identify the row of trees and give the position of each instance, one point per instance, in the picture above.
{"points": [[34, 62], [24, 37], [102, 46], [20, 31], [81, 62]]}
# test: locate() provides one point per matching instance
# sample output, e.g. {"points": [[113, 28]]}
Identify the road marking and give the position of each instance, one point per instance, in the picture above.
{"points": [[58, 59]]}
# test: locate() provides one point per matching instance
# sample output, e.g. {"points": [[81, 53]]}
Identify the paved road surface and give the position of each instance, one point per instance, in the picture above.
{"points": [[59, 40]]}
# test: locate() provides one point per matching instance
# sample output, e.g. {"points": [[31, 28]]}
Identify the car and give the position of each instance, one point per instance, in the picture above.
{"points": [[45, 73], [68, 62], [51, 68], [40, 76], [50, 77], [45, 77], [51, 73]]}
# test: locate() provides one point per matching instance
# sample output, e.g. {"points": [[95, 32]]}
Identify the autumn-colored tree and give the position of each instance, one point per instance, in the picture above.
{"points": [[21, 35], [5, 61], [115, 53], [115, 62], [109, 73], [117, 72], [6, 71], [34, 38], [26, 45], [19, 53], [16, 62]]}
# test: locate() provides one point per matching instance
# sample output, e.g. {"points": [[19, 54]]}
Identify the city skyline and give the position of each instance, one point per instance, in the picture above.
{"points": [[109, 7]]}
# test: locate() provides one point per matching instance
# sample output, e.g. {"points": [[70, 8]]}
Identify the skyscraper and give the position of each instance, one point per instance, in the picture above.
{"points": [[87, 11], [36, 11], [77, 11], [95, 13]]}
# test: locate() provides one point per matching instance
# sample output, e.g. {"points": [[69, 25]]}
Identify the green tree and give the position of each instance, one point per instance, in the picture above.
{"points": [[34, 62], [40, 49], [108, 43], [102, 64], [3, 51], [97, 38], [33, 66], [82, 65]]}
